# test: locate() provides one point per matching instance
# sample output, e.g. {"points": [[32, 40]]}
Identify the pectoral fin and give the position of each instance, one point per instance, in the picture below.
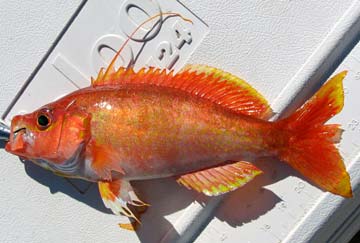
{"points": [[222, 179], [116, 196], [104, 160]]}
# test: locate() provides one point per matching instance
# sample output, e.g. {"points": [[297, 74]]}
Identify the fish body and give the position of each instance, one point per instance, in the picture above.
{"points": [[158, 132], [149, 124]]}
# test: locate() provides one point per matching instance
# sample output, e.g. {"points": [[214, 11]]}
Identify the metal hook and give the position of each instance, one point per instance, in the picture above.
{"points": [[4, 131]]}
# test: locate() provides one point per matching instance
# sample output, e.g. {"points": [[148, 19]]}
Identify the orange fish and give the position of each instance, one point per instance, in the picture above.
{"points": [[151, 124]]}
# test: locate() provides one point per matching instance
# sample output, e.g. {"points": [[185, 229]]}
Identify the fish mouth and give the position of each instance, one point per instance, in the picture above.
{"points": [[18, 132], [16, 143]]}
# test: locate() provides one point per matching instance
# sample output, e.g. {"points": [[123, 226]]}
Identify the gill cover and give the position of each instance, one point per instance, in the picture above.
{"points": [[75, 131]]}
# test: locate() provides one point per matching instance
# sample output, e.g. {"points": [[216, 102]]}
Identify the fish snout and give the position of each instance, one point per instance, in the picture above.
{"points": [[16, 143]]}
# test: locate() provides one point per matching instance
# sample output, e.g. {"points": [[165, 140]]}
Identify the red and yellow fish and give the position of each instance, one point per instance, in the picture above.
{"points": [[150, 124]]}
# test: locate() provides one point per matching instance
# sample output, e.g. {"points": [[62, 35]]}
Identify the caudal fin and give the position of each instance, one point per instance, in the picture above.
{"points": [[311, 149]]}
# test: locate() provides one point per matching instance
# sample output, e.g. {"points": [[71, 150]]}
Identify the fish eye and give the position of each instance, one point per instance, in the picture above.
{"points": [[43, 121]]}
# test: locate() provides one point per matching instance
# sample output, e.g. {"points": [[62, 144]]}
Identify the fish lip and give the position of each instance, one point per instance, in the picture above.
{"points": [[15, 143], [21, 130]]}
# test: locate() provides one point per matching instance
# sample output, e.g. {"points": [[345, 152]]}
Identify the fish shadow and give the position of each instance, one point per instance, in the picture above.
{"points": [[164, 195], [167, 197], [236, 209], [83, 191], [254, 200]]}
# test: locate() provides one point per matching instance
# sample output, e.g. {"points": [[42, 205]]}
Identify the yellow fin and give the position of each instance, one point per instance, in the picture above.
{"points": [[130, 226], [250, 101], [222, 179], [116, 196]]}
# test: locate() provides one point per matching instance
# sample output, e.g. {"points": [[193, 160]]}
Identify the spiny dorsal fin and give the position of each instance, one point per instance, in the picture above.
{"points": [[247, 100], [102, 77], [219, 180], [207, 82]]}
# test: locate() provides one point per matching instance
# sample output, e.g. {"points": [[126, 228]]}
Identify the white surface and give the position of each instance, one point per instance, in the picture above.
{"points": [[88, 46], [267, 42], [28, 29]]}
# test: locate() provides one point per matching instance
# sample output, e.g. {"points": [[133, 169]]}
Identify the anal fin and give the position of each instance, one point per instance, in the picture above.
{"points": [[116, 196], [219, 180]]}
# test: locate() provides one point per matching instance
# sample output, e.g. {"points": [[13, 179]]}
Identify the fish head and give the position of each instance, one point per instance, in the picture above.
{"points": [[51, 135]]}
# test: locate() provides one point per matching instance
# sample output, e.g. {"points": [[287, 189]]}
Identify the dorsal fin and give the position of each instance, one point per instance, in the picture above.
{"points": [[234, 93], [207, 82]]}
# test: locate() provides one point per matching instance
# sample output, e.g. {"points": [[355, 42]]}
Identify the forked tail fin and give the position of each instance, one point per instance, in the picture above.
{"points": [[311, 149]]}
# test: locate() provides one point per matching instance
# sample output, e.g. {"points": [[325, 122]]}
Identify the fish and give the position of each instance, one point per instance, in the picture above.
{"points": [[202, 126]]}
